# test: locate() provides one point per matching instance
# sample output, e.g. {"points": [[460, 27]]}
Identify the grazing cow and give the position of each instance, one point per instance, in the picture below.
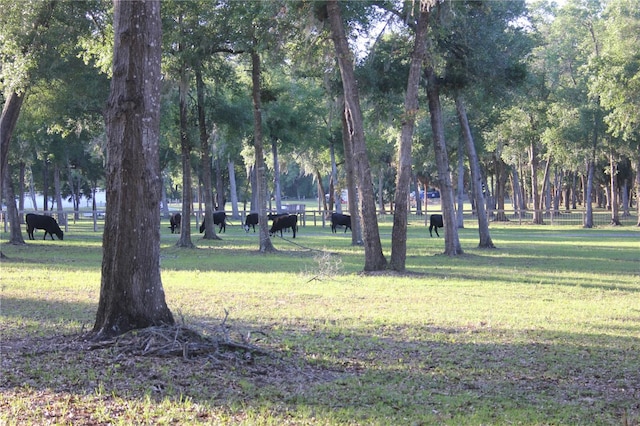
{"points": [[219, 218], [251, 221], [339, 219], [49, 224], [174, 222], [285, 222], [274, 216], [435, 221]]}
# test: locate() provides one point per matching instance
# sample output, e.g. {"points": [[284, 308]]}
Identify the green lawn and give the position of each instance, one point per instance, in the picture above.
{"points": [[543, 330]]}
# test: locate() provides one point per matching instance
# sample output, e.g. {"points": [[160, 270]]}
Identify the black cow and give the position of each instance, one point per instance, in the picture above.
{"points": [[435, 221], [274, 216], [339, 219], [49, 224], [219, 218], [174, 221], [285, 222], [251, 221]]}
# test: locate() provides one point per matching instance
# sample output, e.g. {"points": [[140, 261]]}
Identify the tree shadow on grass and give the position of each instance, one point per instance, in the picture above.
{"points": [[375, 374]]}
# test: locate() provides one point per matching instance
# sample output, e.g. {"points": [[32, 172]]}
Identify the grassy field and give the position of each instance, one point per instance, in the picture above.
{"points": [[543, 330]]}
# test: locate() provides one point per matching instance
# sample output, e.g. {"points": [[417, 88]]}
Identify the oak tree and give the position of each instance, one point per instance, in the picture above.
{"points": [[131, 292]]}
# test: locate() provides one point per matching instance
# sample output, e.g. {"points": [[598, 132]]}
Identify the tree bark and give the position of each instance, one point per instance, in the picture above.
{"points": [[476, 175], [451, 240], [374, 258], [261, 184], [403, 177], [131, 293]]}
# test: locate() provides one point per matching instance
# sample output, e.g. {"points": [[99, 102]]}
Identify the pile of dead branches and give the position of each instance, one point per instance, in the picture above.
{"points": [[181, 340]]}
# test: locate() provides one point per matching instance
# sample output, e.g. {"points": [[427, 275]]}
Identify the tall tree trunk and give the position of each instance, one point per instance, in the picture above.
{"points": [[476, 175], [524, 201], [254, 188], [352, 194], [164, 201], [8, 120], [451, 240], [205, 160], [515, 199], [131, 293], [381, 191], [233, 190], [21, 186], [615, 202], [15, 233], [57, 187], [588, 196], [45, 184], [501, 189], [334, 177], [261, 184], [543, 190], [322, 200], [558, 177], [331, 194], [533, 163], [32, 190], [460, 186], [220, 200], [185, 154], [403, 177], [638, 187], [574, 191], [374, 258], [416, 185], [276, 175]]}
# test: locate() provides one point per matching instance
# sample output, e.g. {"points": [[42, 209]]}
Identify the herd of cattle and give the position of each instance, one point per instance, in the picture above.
{"points": [[280, 222]]}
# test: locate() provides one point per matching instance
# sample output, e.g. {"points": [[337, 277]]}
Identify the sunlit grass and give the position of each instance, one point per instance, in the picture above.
{"points": [[545, 329]]}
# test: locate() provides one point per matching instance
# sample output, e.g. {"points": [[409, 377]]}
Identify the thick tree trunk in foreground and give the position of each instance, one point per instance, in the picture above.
{"points": [[374, 258], [476, 176], [403, 179], [451, 240], [131, 293]]}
